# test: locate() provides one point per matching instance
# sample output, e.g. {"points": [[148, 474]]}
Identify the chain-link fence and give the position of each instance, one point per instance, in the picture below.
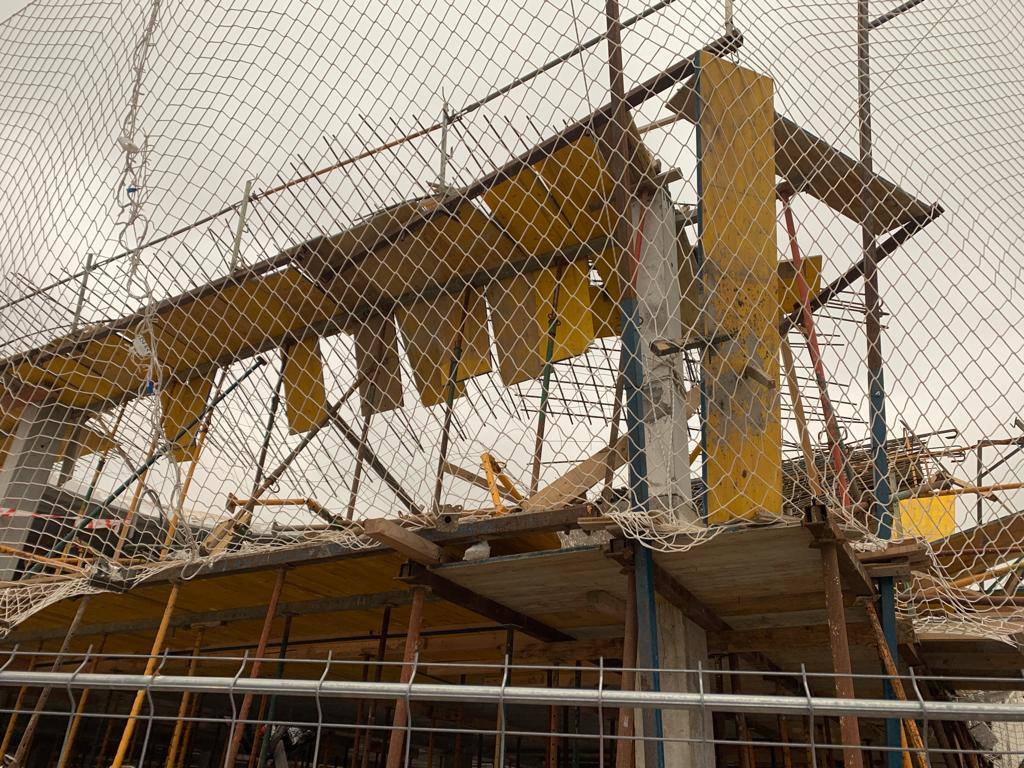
{"points": [[272, 270]]}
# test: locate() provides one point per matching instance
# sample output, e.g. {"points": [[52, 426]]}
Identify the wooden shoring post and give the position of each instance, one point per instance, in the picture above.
{"points": [[625, 754], [412, 641], [186, 485], [839, 645], [746, 750], [378, 671], [460, 722], [889, 665], [21, 754], [357, 737], [449, 405], [813, 481], [186, 700], [840, 466], [76, 719], [261, 648], [545, 385], [787, 756], [151, 663], [16, 709]]}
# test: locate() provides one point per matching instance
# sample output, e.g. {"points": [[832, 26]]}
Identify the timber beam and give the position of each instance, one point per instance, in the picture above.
{"points": [[416, 574], [672, 591], [404, 541], [490, 528]]}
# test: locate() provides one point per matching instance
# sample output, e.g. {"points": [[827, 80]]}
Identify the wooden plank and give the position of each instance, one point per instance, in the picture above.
{"points": [[305, 396], [432, 330], [743, 434], [405, 542], [810, 164], [573, 484]]}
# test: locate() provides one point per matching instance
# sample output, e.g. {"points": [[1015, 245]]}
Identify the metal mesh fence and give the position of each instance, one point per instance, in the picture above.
{"points": [[272, 270]]}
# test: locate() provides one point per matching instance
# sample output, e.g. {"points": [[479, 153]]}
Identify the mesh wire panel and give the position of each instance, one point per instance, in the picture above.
{"points": [[271, 270]]}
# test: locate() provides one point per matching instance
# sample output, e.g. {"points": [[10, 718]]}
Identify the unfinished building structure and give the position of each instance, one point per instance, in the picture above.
{"points": [[541, 456]]}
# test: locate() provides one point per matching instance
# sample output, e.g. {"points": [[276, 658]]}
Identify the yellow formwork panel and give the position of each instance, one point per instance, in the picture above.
{"points": [[378, 365], [604, 313], [181, 402], [431, 331], [789, 295], [578, 178], [529, 213], [427, 259], [929, 518], [521, 311], [564, 293], [305, 396], [743, 436]]}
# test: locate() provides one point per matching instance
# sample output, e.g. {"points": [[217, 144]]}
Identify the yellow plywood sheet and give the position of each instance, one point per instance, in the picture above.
{"points": [[181, 402], [305, 397], [529, 213], [433, 329], [578, 178], [378, 365], [789, 294], [521, 311], [930, 518], [743, 430]]}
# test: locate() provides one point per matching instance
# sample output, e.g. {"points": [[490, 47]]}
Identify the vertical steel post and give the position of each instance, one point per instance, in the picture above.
{"points": [[261, 649], [378, 670], [412, 641], [647, 625], [839, 645], [876, 380], [89, 257]]}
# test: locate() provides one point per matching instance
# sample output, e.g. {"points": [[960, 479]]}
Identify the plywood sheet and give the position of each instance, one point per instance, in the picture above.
{"points": [[305, 396], [550, 586], [522, 309], [379, 366], [181, 403], [742, 427], [432, 330]]}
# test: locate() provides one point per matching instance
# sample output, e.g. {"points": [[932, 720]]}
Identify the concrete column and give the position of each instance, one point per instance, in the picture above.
{"points": [[682, 644], [665, 415], [32, 451]]}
